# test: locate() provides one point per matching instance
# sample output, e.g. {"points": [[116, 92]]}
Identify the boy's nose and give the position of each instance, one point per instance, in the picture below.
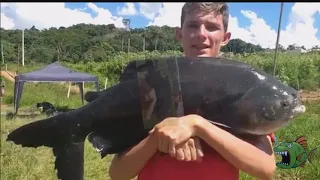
{"points": [[202, 32]]}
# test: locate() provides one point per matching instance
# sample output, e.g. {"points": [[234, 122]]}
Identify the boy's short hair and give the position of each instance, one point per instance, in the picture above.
{"points": [[217, 7]]}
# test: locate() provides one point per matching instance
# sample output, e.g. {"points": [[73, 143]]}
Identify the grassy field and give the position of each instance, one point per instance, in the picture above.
{"points": [[27, 163]]}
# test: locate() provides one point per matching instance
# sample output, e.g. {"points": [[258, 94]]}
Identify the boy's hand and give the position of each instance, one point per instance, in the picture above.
{"points": [[174, 131], [188, 151]]}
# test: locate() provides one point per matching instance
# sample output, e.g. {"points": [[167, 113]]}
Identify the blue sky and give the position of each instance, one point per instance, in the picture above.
{"points": [[268, 11], [252, 22], [136, 21]]}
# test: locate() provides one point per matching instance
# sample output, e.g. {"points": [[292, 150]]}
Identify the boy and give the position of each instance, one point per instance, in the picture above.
{"points": [[203, 31]]}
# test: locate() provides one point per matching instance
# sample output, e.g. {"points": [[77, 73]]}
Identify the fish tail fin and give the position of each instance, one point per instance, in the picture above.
{"points": [[49, 132], [311, 153], [56, 133], [69, 161]]}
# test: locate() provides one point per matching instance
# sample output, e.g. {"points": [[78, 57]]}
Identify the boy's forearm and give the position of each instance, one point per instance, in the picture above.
{"points": [[128, 164], [241, 154]]}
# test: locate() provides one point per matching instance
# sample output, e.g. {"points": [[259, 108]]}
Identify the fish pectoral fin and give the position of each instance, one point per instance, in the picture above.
{"points": [[303, 164], [101, 144], [115, 142], [69, 161], [299, 157], [302, 141]]}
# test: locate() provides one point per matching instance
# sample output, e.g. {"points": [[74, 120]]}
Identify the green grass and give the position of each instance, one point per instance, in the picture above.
{"points": [[307, 125], [28, 163], [300, 71], [37, 92], [19, 163]]}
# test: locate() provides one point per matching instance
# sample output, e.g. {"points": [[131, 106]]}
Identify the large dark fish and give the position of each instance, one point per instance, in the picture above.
{"points": [[232, 94]]}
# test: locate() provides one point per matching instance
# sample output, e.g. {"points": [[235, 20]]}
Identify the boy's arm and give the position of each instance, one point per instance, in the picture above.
{"points": [[127, 165], [134, 159], [255, 158]]}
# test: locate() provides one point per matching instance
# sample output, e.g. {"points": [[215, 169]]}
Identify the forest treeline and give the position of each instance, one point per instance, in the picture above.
{"points": [[88, 42], [102, 50]]}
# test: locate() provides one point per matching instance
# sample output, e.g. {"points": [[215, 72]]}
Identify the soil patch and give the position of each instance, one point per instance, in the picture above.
{"points": [[310, 95], [8, 75]]}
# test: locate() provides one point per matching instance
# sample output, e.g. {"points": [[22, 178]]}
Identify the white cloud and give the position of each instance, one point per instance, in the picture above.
{"points": [[168, 14], [238, 32], [300, 28], [6, 22], [258, 32], [149, 10], [127, 10], [46, 15]]}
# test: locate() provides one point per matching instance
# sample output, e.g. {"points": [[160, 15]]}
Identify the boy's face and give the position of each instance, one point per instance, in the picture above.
{"points": [[202, 34]]}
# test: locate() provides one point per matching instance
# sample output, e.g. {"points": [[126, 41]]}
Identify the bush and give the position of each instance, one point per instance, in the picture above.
{"points": [[300, 71]]}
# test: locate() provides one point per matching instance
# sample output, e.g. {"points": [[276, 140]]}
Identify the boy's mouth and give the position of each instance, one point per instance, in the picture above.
{"points": [[285, 157], [200, 47]]}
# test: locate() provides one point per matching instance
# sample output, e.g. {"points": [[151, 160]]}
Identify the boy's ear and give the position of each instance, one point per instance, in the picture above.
{"points": [[226, 38], [178, 34]]}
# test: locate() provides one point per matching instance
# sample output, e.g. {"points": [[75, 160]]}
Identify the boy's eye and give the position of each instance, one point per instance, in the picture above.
{"points": [[193, 25], [207, 27], [212, 28]]}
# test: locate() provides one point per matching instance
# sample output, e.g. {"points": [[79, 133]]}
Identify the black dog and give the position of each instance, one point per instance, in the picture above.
{"points": [[47, 108]]}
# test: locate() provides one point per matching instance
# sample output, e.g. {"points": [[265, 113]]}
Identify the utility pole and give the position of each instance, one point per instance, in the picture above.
{"points": [[2, 53], [144, 43], [122, 42], [129, 40], [126, 23], [18, 55], [22, 47], [277, 43]]}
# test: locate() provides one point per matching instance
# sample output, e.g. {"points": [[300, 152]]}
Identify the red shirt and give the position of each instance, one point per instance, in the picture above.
{"points": [[213, 166]]}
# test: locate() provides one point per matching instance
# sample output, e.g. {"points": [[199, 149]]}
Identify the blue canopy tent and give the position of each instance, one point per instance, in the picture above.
{"points": [[52, 73]]}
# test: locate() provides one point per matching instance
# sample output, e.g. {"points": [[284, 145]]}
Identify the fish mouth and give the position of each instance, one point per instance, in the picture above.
{"points": [[299, 109], [285, 157]]}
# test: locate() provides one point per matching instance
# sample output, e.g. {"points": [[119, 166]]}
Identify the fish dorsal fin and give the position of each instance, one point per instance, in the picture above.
{"points": [[300, 156], [302, 164], [302, 141]]}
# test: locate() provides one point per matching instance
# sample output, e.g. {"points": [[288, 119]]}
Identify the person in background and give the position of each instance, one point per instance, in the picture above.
{"points": [[189, 147], [2, 86]]}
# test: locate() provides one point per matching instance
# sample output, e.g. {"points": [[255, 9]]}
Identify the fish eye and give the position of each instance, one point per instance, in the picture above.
{"points": [[289, 146]]}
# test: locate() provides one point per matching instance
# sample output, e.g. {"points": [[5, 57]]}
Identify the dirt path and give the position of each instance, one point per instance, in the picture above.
{"points": [[8, 75], [310, 95]]}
